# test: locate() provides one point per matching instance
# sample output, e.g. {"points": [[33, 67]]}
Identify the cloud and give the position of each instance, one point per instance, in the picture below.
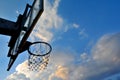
{"points": [[16, 76], [69, 26], [17, 12], [106, 54], [63, 65], [75, 25], [104, 59], [56, 69], [83, 33], [60, 73], [49, 21], [103, 62]]}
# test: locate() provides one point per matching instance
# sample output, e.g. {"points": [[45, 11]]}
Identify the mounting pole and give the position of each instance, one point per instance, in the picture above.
{"points": [[7, 27]]}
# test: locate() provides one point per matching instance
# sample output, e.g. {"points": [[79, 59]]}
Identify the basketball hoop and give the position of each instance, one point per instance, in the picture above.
{"points": [[39, 53]]}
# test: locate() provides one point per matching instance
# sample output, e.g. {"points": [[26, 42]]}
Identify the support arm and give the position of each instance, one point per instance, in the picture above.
{"points": [[7, 27]]}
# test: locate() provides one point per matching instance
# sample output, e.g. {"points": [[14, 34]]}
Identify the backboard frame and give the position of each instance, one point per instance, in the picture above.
{"points": [[27, 34], [19, 42]]}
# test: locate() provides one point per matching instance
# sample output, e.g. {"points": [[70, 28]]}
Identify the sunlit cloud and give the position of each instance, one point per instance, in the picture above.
{"points": [[16, 76], [103, 62], [48, 22]]}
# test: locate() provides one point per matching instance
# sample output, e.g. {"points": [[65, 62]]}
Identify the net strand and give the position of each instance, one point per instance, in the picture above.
{"points": [[35, 62]]}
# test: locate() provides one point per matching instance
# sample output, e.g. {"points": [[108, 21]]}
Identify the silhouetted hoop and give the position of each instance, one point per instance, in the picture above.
{"points": [[39, 48], [39, 53]]}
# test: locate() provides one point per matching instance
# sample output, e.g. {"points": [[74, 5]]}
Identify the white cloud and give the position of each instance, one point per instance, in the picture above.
{"points": [[49, 21], [56, 69], [83, 33], [17, 12], [16, 76], [103, 62], [70, 26], [60, 73], [84, 57], [76, 25], [67, 27]]}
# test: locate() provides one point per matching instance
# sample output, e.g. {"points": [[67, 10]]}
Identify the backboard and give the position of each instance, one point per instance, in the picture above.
{"points": [[25, 23]]}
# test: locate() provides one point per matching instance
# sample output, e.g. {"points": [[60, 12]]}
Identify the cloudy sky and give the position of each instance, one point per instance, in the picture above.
{"points": [[84, 34]]}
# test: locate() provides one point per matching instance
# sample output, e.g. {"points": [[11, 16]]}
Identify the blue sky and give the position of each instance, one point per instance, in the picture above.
{"points": [[82, 33]]}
